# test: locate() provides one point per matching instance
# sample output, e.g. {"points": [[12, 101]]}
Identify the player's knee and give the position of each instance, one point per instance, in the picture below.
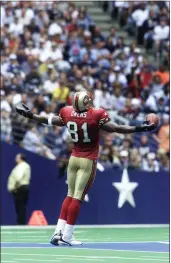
{"points": [[70, 194]]}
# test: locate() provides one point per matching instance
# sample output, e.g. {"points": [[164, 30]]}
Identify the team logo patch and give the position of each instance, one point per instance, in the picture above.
{"points": [[86, 100]]}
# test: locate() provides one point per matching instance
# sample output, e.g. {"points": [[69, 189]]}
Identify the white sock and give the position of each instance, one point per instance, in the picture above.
{"points": [[68, 231], [60, 226]]}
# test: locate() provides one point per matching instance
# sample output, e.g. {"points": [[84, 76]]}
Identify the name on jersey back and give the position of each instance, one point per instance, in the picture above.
{"points": [[80, 115]]}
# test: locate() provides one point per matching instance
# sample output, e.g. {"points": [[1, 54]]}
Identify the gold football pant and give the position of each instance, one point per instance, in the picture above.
{"points": [[80, 175]]}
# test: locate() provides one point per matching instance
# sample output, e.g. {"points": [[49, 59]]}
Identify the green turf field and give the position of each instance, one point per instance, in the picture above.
{"points": [[107, 245]]}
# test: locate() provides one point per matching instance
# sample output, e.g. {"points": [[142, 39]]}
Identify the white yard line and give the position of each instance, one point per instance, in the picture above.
{"points": [[72, 256], [40, 260], [89, 226], [155, 257], [74, 248], [27, 240], [24, 236], [87, 259], [164, 242], [23, 232]]}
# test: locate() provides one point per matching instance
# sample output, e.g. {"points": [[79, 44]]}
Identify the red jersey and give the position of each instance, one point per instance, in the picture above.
{"points": [[84, 129]]}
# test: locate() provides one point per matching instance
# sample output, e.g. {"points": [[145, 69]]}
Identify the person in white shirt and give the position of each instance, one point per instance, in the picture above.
{"points": [[118, 100], [54, 29], [25, 15], [139, 16], [2, 16], [56, 52], [160, 34], [150, 164], [117, 76], [30, 50], [102, 98], [16, 28], [18, 185]]}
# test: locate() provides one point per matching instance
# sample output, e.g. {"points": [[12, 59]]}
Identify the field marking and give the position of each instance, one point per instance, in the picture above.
{"points": [[154, 257], [91, 226], [36, 231], [22, 237], [164, 242], [40, 260], [74, 248], [74, 256], [60, 259], [57, 259], [89, 242], [85, 241]]}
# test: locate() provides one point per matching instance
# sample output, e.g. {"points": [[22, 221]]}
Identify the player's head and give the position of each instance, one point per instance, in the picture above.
{"points": [[82, 101]]}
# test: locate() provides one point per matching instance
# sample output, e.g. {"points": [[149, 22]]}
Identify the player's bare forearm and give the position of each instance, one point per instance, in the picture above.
{"points": [[40, 119], [27, 113], [43, 119], [113, 127]]}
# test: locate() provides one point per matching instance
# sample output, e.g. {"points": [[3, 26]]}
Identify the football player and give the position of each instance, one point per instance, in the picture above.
{"points": [[84, 123]]}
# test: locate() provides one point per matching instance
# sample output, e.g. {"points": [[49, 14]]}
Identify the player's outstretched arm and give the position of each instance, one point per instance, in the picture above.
{"points": [[26, 112], [113, 127]]}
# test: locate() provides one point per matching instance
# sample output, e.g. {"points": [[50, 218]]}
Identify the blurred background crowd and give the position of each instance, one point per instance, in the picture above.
{"points": [[49, 50]]}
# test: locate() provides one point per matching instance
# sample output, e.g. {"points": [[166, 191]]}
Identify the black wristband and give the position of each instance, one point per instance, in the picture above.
{"points": [[138, 129], [30, 115]]}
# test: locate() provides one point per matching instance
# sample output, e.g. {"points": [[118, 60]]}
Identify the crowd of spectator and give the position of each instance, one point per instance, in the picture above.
{"points": [[148, 21], [52, 49]]}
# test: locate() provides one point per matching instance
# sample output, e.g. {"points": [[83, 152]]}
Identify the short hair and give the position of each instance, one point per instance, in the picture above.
{"points": [[23, 157]]}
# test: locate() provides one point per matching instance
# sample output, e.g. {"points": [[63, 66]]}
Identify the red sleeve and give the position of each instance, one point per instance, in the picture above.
{"points": [[104, 117], [61, 116]]}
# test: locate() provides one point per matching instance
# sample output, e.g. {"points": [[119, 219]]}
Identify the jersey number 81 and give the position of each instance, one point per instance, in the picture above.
{"points": [[73, 129]]}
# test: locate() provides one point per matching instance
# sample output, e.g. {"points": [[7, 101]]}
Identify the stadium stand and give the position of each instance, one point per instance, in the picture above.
{"points": [[51, 50]]}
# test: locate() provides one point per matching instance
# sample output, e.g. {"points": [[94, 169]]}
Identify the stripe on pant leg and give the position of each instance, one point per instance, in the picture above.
{"points": [[90, 181]]}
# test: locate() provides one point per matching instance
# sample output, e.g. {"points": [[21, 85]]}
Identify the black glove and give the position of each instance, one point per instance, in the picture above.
{"points": [[145, 126], [25, 111]]}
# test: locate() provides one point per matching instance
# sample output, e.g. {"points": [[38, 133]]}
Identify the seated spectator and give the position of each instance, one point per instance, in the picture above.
{"points": [[5, 102], [53, 140], [40, 103], [149, 25], [117, 76], [33, 80], [150, 164], [32, 142], [163, 135], [139, 16], [105, 158], [64, 155], [116, 161], [163, 160], [124, 159], [161, 34], [6, 128], [164, 75], [50, 85], [145, 76], [118, 100], [144, 147], [135, 159], [156, 84], [60, 94], [126, 145], [103, 99], [16, 27]]}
